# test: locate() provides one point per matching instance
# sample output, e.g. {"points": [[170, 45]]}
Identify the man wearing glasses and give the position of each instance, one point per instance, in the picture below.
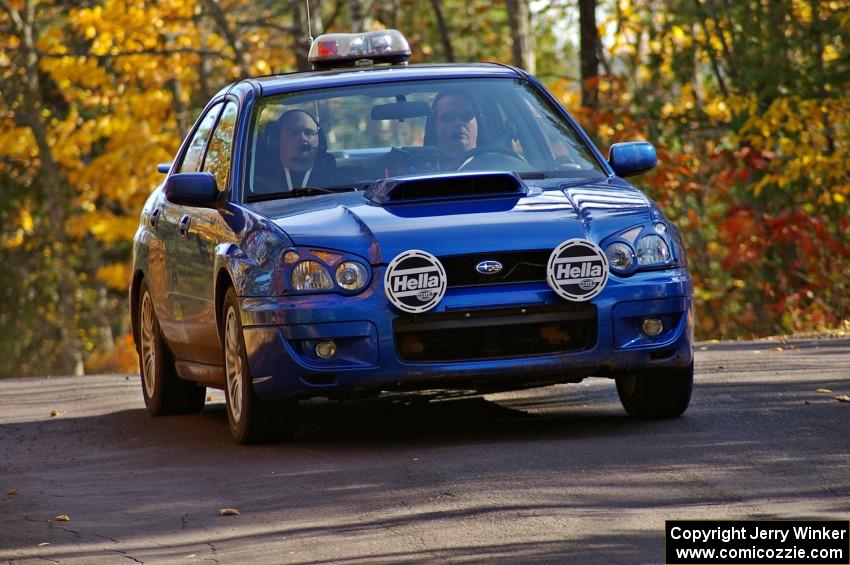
{"points": [[302, 155], [454, 130]]}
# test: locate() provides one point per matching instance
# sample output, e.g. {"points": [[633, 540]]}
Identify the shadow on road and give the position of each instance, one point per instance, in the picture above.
{"points": [[441, 480]]}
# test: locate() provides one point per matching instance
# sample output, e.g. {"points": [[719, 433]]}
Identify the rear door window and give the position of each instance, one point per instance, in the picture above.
{"points": [[195, 152], [217, 160]]}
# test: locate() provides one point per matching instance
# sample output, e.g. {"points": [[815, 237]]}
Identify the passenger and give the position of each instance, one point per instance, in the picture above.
{"points": [[303, 155], [292, 153], [453, 128]]}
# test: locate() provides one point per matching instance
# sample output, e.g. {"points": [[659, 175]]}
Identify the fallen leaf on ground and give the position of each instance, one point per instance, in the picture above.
{"points": [[63, 518], [823, 391], [42, 544], [776, 349], [12, 492], [842, 398], [228, 512], [54, 413]]}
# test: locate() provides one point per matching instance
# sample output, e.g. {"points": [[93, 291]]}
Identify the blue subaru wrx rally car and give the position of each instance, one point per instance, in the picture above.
{"points": [[372, 226]]}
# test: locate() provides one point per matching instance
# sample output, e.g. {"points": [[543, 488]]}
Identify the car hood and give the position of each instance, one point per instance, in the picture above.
{"points": [[542, 219]]}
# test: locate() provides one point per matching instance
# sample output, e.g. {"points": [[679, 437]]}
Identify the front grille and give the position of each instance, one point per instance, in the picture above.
{"points": [[517, 266], [498, 333]]}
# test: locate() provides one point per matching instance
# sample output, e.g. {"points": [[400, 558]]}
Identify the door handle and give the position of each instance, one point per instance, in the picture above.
{"points": [[155, 215], [183, 224]]}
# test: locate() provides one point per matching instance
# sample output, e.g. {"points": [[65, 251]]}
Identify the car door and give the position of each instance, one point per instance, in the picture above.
{"points": [[200, 230], [172, 322]]}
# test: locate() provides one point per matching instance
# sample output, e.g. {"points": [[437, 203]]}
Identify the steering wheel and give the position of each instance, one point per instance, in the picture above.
{"points": [[494, 158], [564, 163]]}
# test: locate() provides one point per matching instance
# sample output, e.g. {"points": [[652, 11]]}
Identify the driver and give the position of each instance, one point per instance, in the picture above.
{"points": [[455, 127]]}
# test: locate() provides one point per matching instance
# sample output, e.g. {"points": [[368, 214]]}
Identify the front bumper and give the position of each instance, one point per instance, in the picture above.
{"points": [[281, 332]]}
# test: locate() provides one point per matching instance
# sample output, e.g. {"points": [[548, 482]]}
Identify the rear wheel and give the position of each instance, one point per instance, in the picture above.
{"points": [[656, 393], [250, 418], [164, 392]]}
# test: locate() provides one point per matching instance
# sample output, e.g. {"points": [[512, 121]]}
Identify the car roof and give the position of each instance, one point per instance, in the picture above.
{"points": [[306, 80]]}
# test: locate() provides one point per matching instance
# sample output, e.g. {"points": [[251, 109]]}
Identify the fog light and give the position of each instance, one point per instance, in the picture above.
{"points": [[325, 349], [652, 326]]}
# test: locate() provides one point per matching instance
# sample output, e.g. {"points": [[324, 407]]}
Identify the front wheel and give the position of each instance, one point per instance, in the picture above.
{"points": [[164, 392], [251, 419], [656, 393]]}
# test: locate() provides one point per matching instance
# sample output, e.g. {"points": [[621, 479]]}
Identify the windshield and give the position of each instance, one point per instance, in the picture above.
{"points": [[349, 137]]}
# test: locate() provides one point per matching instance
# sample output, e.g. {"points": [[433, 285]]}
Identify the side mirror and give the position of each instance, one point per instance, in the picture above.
{"points": [[192, 189], [632, 158]]}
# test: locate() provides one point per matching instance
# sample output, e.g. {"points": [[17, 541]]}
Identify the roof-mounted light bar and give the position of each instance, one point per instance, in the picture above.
{"points": [[359, 49]]}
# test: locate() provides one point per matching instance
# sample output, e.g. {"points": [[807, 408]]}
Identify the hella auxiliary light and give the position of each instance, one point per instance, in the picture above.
{"points": [[358, 49]]}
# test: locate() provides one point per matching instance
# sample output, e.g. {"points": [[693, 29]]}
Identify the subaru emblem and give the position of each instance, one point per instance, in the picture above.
{"points": [[488, 267]]}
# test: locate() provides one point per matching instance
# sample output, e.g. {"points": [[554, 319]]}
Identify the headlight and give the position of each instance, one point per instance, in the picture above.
{"points": [[652, 250], [310, 275], [351, 275], [678, 247], [620, 256]]}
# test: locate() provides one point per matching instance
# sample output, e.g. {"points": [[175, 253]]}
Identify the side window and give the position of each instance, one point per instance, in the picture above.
{"points": [[217, 161], [195, 152]]}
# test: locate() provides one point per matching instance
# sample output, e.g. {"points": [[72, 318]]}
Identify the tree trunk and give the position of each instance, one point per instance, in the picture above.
{"points": [[445, 38], [306, 29], [721, 36], [204, 66], [54, 187], [359, 12], [817, 31], [522, 44], [709, 48], [230, 35], [589, 53]]}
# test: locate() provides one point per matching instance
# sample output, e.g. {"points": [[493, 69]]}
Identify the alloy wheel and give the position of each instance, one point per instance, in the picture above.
{"points": [[233, 365], [148, 345]]}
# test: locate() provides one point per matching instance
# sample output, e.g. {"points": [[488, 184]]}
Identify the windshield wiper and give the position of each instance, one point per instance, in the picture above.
{"points": [[296, 192], [532, 175]]}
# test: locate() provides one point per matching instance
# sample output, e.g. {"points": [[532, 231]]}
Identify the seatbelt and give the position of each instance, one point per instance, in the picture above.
{"points": [[303, 182]]}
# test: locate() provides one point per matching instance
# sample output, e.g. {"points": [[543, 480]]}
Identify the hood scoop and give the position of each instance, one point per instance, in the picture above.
{"points": [[446, 187]]}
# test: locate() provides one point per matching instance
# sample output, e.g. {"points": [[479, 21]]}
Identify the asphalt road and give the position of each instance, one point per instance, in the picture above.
{"points": [[558, 474]]}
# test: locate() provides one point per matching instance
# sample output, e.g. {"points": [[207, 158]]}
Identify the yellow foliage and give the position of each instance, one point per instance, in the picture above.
{"points": [[718, 110], [802, 11], [117, 275], [16, 143], [103, 225], [122, 359]]}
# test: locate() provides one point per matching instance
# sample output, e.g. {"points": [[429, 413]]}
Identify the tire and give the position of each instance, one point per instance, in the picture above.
{"points": [[164, 392], [656, 393], [251, 419]]}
